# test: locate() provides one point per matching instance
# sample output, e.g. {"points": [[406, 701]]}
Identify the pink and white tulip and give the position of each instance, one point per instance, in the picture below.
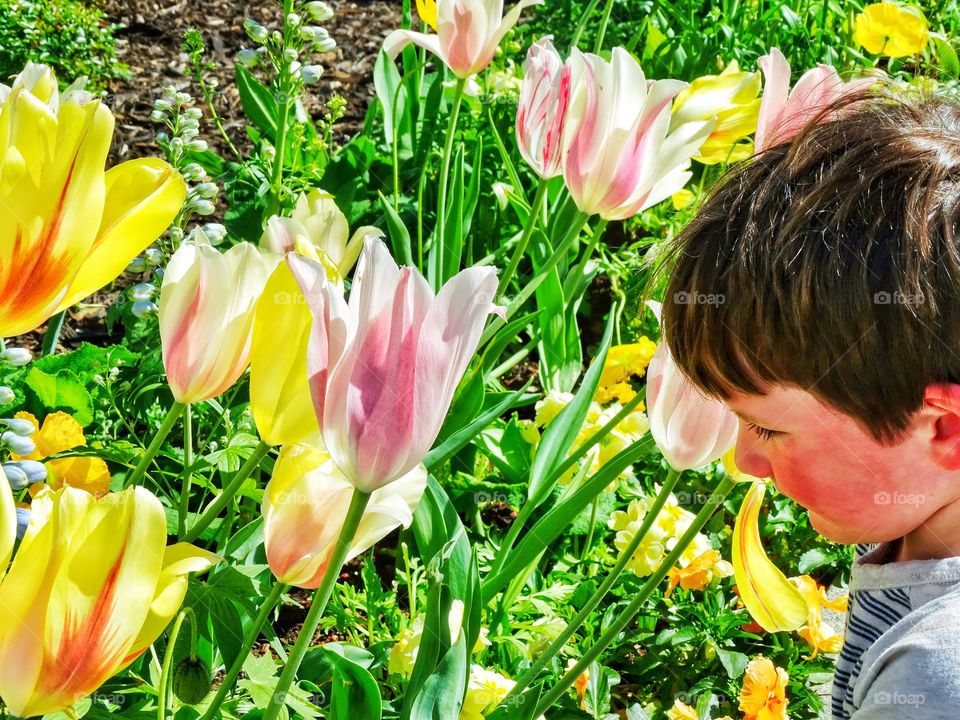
{"points": [[542, 113], [207, 303], [621, 157], [304, 505], [783, 113], [383, 368], [468, 33]]}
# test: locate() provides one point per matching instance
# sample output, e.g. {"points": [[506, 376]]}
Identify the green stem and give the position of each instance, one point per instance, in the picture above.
{"points": [[283, 89], [165, 696], [582, 23], [557, 645], [598, 46], [214, 508], [435, 271], [525, 238], [593, 521], [51, 335], [253, 632], [166, 426], [350, 523], [573, 283], [573, 231], [187, 471], [629, 612]]}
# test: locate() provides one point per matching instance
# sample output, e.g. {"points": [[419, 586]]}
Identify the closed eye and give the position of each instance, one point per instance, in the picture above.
{"points": [[763, 432]]}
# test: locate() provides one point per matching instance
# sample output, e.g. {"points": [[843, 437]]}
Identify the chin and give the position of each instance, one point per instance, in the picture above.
{"points": [[836, 531]]}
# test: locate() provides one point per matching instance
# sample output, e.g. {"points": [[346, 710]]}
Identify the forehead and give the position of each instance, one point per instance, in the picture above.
{"points": [[783, 405]]}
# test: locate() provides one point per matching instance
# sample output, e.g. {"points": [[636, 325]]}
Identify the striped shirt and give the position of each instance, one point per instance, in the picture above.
{"points": [[901, 649]]}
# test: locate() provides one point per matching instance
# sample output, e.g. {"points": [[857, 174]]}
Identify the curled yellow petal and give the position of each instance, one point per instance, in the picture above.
{"points": [[427, 10], [8, 523], [767, 594]]}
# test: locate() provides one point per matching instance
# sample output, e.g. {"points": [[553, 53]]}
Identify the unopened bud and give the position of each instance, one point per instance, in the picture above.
{"points": [[256, 31], [319, 11], [311, 73], [142, 291], [137, 265], [142, 308], [16, 356], [16, 477], [7, 395], [153, 256], [21, 427], [192, 681], [206, 190], [34, 471], [248, 58], [18, 445]]}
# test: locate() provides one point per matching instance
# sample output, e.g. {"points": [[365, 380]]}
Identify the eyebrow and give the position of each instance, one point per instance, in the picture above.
{"points": [[747, 418]]}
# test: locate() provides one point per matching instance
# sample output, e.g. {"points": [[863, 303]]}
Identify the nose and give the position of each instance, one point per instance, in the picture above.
{"points": [[749, 455]]}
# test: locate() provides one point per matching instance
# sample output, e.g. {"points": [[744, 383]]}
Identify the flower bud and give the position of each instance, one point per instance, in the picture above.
{"points": [[184, 98], [142, 308], [194, 172], [34, 471], [248, 58], [202, 207], [162, 104], [137, 265], [16, 477], [23, 520], [293, 19], [197, 145], [142, 291], [256, 31], [215, 232], [290, 55], [325, 45], [24, 428], [153, 256], [17, 444], [206, 190], [311, 73], [194, 113], [7, 395], [157, 116], [192, 680], [16, 356], [319, 11]]}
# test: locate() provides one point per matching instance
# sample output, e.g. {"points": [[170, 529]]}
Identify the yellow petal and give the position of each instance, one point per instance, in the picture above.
{"points": [[85, 473], [58, 433], [427, 10], [8, 523], [279, 390], [767, 594], [142, 198], [730, 466]]}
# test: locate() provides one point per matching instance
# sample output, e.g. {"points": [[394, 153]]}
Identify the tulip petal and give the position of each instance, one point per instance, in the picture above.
{"points": [[142, 198], [397, 40], [767, 594], [279, 388], [8, 524], [776, 75]]}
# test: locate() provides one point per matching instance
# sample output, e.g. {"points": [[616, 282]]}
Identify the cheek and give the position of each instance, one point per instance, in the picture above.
{"points": [[813, 479]]}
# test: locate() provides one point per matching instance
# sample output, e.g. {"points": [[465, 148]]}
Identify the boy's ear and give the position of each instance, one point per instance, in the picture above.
{"points": [[943, 399]]}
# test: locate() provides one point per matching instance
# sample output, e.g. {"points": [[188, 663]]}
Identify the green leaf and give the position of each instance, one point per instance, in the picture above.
{"points": [[61, 391], [561, 433], [257, 101], [733, 662], [399, 235], [813, 559], [390, 92], [948, 56], [355, 693]]}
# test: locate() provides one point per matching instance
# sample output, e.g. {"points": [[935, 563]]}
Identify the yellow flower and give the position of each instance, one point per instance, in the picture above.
{"points": [[92, 586], [550, 406], [682, 198], [699, 572], [59, 433], [627, 360], [682, 711], [580, 684], [427, 10], [732, 98], [403, 655], [622, 392], [819, 635], [67, 226], [893, 30], [485, 690], [763, 696]]}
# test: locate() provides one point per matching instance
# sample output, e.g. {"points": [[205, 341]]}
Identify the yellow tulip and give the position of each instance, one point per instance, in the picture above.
{"points": [[279, 390], [427, 10], [893, 30], [67, 227], [732, 98], [303, 509], [58, 433], [91, 587]]}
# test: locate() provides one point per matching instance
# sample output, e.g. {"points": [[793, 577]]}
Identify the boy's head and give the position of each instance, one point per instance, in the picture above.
{"points": [[817, 292]]}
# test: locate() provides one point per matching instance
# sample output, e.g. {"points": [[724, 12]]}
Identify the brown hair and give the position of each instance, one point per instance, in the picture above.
{"points": [[830, 263]]}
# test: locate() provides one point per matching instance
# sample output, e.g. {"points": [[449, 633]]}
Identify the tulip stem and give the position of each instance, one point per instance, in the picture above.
{"points": [[528, 229], [166, 426], [283, 94], [436, 263], [557, 645], [165, 694], [358, 502], [253, 632], [220, 502], [187, 470], [628, 613]]}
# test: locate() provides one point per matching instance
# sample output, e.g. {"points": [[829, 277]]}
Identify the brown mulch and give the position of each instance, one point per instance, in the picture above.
{"points": [[150, 45]]}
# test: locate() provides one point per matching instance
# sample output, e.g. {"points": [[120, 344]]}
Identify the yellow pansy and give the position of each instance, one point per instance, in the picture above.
{"points": [[626, 361], [732, 98], [59, 433], [892, 30], [763, 696], [819, 635], [699, 573], [682, 198], [682, 711]]}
